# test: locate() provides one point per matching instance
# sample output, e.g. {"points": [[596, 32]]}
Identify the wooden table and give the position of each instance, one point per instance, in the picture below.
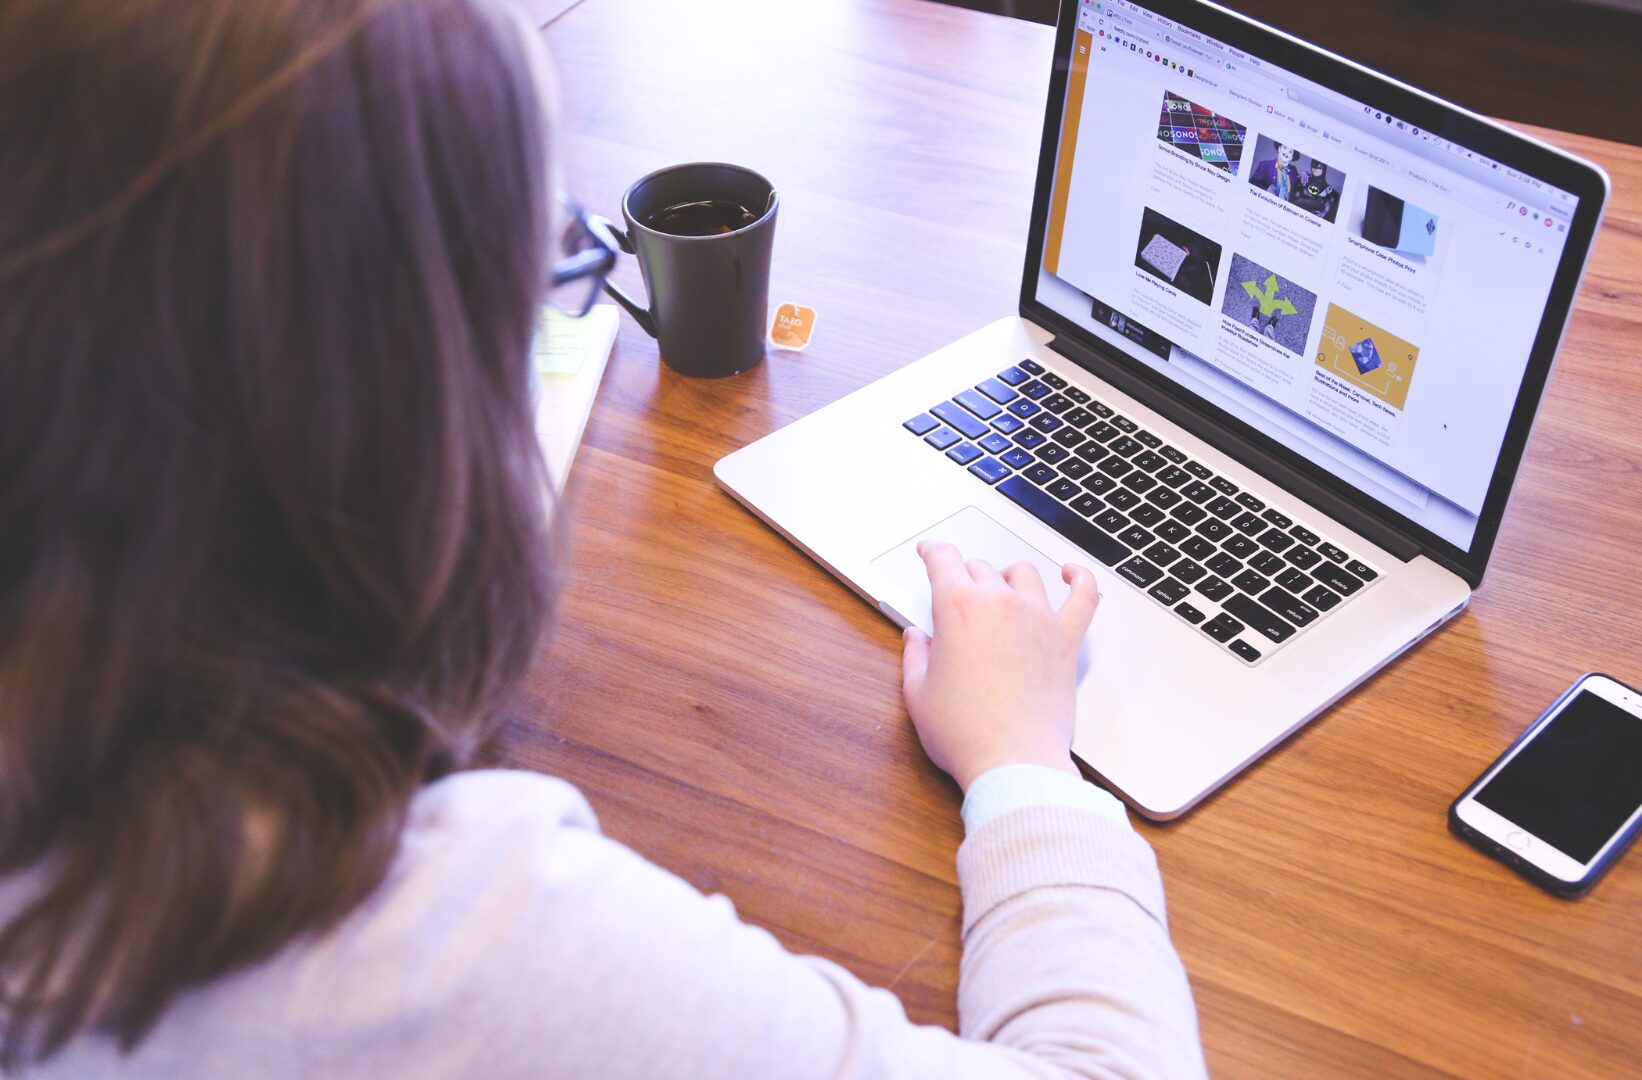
{"points": [[734, 713]]}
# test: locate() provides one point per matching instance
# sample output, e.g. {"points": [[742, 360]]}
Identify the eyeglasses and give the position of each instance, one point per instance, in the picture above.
{"points": [[590, 248]]}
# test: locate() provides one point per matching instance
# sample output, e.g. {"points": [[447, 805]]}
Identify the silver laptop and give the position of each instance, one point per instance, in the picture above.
{"points": [[1283, 329]]}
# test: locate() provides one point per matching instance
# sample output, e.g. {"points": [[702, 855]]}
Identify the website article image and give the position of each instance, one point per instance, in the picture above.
{"points": [[1396, 225], [1366, 356], [1282, 171], [1269, 304], [1201, 133], [1182, 257]]}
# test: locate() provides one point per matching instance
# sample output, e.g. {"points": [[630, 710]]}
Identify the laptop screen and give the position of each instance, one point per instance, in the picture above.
{"points": [[1365, 292]]}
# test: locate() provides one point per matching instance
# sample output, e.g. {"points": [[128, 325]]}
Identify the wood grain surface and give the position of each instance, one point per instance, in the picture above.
{"points": [[734, 714]]}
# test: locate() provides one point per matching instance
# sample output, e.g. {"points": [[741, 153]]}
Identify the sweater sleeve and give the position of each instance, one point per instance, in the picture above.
{"points": [[605, 965]]}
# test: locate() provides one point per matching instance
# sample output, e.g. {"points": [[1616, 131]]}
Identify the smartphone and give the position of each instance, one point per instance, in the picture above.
{"points": [[1566, 799]]}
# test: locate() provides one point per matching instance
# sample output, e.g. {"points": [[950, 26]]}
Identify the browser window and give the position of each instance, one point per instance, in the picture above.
{"points": [[1365, 292]]}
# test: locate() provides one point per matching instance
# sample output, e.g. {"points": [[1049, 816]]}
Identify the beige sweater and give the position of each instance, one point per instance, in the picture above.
{"points": [[511, 939]]}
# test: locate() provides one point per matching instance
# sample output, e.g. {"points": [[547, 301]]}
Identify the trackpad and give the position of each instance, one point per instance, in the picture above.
{"points": [[976, 536]]}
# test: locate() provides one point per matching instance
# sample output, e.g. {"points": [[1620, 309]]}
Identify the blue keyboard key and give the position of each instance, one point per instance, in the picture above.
{"points": [[989, 470], [995, 443], [1017, 458], [1033, 366], [1013, 376], [1006, 423], [978, 403], [997, 391], [1022, 408], [941, 439], [964, 453], [1029, 438], [1036, 389], [955, 416], [922, 424]]}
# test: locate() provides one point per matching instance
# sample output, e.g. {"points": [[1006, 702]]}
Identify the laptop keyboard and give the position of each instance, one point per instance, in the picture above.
{"points": [[1247, 574]]}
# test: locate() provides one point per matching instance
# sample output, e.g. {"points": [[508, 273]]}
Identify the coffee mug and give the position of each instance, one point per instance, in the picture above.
{"points": [[702, 234]]}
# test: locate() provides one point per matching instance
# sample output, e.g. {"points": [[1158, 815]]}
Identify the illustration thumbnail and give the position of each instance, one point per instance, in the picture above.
{"points": [[1401, 226], [1201, 132], [1269, 304], [1366, 356], [1283, 172], [1171, 252]]}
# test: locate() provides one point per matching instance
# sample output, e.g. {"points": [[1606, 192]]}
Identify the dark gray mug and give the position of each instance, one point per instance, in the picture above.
{"points": [[709, 295]]}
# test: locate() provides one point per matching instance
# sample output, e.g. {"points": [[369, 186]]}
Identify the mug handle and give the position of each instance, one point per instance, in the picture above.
{"points": [[641, 315]]}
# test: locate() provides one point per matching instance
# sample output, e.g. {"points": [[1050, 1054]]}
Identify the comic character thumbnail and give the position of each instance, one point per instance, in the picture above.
{"points": [[1283, 172]]}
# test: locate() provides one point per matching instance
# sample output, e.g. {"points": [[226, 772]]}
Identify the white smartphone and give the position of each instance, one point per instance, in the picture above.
{"points": [[1566, 799]]}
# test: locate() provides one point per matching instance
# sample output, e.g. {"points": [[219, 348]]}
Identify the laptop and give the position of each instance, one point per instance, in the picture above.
{"points": [[1284, 325]]}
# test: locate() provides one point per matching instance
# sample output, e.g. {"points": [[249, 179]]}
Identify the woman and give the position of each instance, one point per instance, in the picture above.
{"points": [[274, 551]]}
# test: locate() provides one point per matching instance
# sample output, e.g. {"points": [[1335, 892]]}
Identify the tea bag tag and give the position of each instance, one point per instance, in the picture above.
{"points": [[792, 327]]}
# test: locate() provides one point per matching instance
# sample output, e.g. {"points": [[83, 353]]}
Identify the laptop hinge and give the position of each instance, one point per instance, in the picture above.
{"points": [[1229, 442]]}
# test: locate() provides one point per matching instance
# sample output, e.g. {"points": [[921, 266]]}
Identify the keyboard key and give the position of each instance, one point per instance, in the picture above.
{"points": [[1267, 563], [1163, 498], [1149, 439], [1114, 466], [1198, 469], [1091, 451], [1169, 592], [1248, 524], [1173, 476], [1187, 570], [1189, 513], [1189, 613], [1173, 455], [1016, 458], [1100, 408], [1006, 423], [1277, 541], [1139, 482], [1147, 514], [1197, 491], [964, 453], [1332, 553], [1222, 507], [1304, 535], [1102, 431], [1063, 520], [1294, 581], [1224, 564], [979, 404], [1069, 436], [1052, 379], [922, 424], [1320, 598], [1099, 483], [1240, 546], [1040, 474], [1336, 578], [1079, 396], [1222, 627], [1123, 499], [1139, 571], [1076, 468], [1123, 423], [1150, 461], [1162, 554], [1249, 502], [989, 469], [1078, 417], [1031, 365], [1124, 445], [1224, 486], [1215, 588], [1056, 403], [1245, 650], [1064, 489], [1051, 453], [1045, 422], [1289, 606], [1213, 529], [1013, 376], [1029, 438], [1112, 521], [1171, 530], [1197, 547], [959, 418], [1087, 505], [995, 443], [1135, 536], [1251, 581], [1277, 518], [1362, 570], [1257, 615], [1303, 557], [998, 391], [1035, 389], [1022, 408], [942, 439]]}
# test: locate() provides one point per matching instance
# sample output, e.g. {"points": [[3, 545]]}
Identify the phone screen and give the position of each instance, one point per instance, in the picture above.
{"points": [[1578, 781]]}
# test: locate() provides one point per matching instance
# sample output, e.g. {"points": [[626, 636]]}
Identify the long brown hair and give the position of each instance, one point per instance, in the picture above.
{"points": [[271, 538]]}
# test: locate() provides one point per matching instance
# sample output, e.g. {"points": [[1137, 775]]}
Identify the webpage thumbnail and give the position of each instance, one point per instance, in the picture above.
{"points": [[1268, 303], [1283, 172], [1390, 222], [1201, 132], [1171, 252], [1366, 356]]}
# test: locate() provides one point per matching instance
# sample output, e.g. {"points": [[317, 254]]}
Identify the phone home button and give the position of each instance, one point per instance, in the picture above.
{"points": [[1519, 839]]}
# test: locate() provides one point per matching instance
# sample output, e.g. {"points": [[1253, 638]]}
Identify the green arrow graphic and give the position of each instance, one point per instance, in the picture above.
{"points": [[1268, 299]]}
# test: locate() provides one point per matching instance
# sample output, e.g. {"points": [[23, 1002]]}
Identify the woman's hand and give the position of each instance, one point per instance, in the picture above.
{"points": [[997, 684]]}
